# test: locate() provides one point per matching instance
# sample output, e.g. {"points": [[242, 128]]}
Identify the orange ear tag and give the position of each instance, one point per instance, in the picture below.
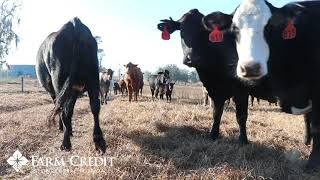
{"points": [[216, 36], [165, 34], [290, 31]]}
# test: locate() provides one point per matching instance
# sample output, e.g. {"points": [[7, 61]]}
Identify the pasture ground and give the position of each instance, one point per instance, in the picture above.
{"points": [[148, 139]]}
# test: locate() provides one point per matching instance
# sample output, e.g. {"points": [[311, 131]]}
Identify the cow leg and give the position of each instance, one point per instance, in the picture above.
{"points": [[241, 102], [314, 158], [157, 92], [152, 94], [307, 135], [130, 93], [66, 116], [217, 113], [105, 97], [101, 96], [98, 139]]}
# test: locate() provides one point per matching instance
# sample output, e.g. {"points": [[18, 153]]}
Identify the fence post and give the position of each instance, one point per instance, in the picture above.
{"points": [[21, 83]]}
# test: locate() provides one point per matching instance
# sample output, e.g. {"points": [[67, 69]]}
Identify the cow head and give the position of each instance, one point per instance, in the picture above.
{"points": [[170, 86], [251, 23], [190, 29], [130, 68]]}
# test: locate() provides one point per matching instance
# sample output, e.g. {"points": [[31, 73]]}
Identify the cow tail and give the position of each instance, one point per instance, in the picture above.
{"points": [[66, 90]]}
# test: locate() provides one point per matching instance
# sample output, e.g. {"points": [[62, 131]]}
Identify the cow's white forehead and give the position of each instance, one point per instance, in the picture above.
{"points": [[252, 14]]}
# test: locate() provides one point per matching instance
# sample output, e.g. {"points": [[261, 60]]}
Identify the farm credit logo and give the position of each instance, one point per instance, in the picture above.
{"points": [[17, 161]]}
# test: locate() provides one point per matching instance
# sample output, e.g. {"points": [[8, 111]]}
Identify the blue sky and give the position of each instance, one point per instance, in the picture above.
{"points": [[128, 28]]}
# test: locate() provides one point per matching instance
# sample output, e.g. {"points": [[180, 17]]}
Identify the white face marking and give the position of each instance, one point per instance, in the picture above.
{"points": [[251, 18]]}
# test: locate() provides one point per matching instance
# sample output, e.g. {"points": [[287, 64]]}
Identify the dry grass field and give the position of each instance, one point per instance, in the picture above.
{"points": [[151, 140]]}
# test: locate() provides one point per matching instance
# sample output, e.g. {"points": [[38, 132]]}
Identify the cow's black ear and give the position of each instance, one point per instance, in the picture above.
{"points": [[223, 21], [160, 72], [293, 10], [169, 24]]}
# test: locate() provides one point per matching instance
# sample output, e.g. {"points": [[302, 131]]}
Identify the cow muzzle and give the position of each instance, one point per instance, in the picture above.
{"points": [[251, 71], [191, 60], [300, 111]]}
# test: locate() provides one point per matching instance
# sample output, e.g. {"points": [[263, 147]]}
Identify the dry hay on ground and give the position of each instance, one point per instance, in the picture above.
{"points": [[154, 140]]}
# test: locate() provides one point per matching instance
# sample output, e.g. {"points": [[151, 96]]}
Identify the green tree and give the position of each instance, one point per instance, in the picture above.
{"points": [[8, 20], [101, 53]]}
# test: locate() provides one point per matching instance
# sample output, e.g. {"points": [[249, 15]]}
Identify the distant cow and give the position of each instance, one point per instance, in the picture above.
{"points": [[105, 82], [169, 90], [166, 89], [66, 66], [123, 87], [155, 81], [206, 98], [133, 79], [116, 88]]}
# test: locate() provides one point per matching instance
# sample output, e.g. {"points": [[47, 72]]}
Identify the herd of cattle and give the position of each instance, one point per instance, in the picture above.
{"points": [[259, 50]]}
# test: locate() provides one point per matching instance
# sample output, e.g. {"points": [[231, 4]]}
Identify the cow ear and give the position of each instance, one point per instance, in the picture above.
{"points": [[169, 25], [223, 21], [160, 72]]}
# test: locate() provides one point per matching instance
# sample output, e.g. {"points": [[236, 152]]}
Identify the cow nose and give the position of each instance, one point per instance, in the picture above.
{"points": [[251, 70]]}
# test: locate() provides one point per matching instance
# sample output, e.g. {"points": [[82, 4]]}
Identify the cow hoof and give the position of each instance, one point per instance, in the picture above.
{"points": [[65, 147], [214, 135], [243, 140], [307, 140], [100, 144], [313, 162]]}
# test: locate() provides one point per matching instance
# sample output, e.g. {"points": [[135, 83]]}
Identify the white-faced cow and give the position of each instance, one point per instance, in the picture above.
{"points": [[215, 65], [156, 81], [66, 66], [283, 43], [105, 78]]}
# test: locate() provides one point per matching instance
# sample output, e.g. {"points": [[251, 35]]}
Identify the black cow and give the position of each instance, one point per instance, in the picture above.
{"points": [[67, 65], [215, 66], [169, 90], [283, 43], [166, 89], [155, 81], [105, 78], [116, 88]]}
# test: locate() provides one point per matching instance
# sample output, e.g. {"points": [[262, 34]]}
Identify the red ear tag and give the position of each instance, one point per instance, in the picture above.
{"points": [[216, 36], [290, 31], [165, 34]]}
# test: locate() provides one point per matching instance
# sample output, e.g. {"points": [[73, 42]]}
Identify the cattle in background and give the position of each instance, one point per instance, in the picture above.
{"points": [[206, 98], [105, 83], [116, 88], [141, 84], [287, 42], [166, 89], [215, 64], [155, 81], [133, 79], [66, 66], [123, 87], [169, 90]]}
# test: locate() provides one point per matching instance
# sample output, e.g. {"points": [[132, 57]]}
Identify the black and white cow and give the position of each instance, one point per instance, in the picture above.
{"points": [[283, 43], [105, 79], [215, 65], [157, 80], [66, 66]]}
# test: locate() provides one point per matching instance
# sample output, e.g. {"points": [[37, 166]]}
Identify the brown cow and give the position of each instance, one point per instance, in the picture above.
{"points": [[133, 79], [123, 87]]}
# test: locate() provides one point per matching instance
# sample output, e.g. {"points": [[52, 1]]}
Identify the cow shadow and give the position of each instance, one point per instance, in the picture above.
{"points": [[190, 148]]}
